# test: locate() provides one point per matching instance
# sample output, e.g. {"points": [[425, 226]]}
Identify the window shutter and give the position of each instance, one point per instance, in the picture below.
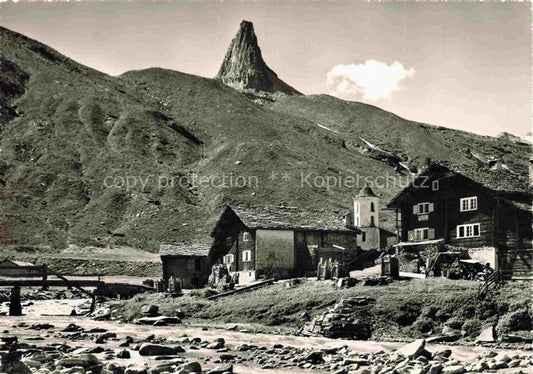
{"points": [[431, 234], [415, 209], [411, 235], [431, 207]]}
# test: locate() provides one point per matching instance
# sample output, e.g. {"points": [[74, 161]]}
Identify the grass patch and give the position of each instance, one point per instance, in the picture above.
{"points": [[403, 309]]}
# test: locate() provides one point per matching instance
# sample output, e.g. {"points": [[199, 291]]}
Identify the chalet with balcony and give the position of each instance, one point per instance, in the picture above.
{"points": [[470, 208]]}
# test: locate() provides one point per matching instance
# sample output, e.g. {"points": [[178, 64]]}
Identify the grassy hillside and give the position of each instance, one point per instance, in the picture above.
{"points": [[71, 137], [403, 310]]}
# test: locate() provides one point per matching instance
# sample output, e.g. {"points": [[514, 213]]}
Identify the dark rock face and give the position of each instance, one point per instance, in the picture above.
{"points": [[244, 68]]}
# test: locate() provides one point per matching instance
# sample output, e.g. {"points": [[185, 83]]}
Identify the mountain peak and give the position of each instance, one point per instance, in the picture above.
{"points": [[244, 68]]}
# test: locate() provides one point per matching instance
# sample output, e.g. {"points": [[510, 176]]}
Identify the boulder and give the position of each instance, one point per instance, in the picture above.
{"points": [[487, 335], [124, 354], [150, 310], [413, 349], [315, 357], [85, 360], [136, 370], [190, 367], [221, 370], [217, 344], [453, 369], [149, 349], [11, 364]]}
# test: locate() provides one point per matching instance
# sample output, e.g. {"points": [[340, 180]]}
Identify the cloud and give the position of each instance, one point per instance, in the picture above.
{"points": [[373, 80]]}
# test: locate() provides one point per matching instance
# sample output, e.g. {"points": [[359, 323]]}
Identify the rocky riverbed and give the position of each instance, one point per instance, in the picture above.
{"points": [[46, 340]]}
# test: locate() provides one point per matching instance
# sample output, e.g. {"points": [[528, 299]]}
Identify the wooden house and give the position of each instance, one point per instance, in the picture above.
{"points": [[188, 262], [281, 241], [470, 208]]}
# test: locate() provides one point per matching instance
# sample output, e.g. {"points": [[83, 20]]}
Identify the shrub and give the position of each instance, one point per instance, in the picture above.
{"points": [[429, 311], [423, 324], [455, 323], [514, 321], [471, 327], [407, 314]]}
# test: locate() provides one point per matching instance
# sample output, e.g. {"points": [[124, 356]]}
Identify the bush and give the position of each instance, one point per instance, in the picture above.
{"points": [[514, 321], [429, 311], [407, 314], [471, 327], [455, 323], [423, 325]]}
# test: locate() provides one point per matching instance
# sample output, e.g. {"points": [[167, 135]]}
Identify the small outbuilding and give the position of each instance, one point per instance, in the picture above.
{"points": [[188, 262]]}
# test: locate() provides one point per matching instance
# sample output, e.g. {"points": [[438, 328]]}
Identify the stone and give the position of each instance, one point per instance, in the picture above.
{"points": [[190, 367], [413, 349], [149, 349], [136, 370], [453, 369], [11, 364], [435, 368], [487, 335], [217, 344], [85, 360], [315, 357], [124, 354], [150, 310], [221, 370], [159, 320]]}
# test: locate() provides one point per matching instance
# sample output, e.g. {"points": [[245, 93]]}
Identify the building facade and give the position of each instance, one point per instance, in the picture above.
{"points": [[460, 208], [188, 262], [281, 241]]}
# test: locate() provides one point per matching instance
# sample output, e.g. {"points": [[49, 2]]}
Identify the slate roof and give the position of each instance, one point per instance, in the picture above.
{"points": [[503, 183], [184, 249], [288, 217], [17, 263]]}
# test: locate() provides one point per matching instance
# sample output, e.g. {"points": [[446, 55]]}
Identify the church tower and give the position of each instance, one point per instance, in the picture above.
{"points": [[366, 218]]}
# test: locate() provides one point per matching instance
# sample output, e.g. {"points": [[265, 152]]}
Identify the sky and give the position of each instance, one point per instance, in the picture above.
{"points": [[461, 65]]}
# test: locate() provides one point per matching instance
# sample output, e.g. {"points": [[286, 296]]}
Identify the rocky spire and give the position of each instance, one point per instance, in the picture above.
{"points": [[244, 68]]}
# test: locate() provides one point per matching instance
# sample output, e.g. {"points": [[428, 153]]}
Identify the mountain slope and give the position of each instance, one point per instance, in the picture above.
{"points": [[244, 68], [187, 145]]}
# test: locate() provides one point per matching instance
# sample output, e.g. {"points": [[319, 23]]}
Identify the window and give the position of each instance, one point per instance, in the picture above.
{"points": [[363, 236], [372, 209], [372, 223], [246, 256], [423, 208], [467, 204], [422, 234], [229, 241], [245, 236], [198, 264], [435, 185], [468, 231], [228, 259]]}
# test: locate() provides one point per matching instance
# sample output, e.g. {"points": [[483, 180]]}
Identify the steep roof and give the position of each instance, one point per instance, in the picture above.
{"points": [[289, 217], [184, 249], [502, 183], [366, 191]]}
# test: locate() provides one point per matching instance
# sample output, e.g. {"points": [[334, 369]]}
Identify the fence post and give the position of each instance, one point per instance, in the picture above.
{"points": [[45, 277]]}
